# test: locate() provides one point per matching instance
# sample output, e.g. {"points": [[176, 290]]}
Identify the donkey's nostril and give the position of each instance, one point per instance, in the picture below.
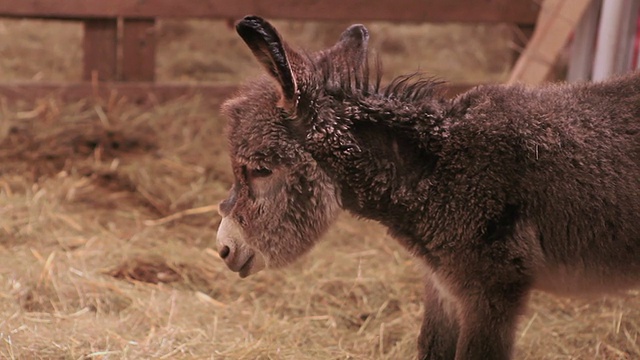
{"points": [[224, 252]]}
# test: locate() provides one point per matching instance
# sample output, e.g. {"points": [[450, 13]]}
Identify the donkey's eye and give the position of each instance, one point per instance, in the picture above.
{"points": [[259, 172]]}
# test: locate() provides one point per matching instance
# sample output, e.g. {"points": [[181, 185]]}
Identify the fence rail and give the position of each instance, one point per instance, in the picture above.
{"points": [[515, 11], [119, 43]]}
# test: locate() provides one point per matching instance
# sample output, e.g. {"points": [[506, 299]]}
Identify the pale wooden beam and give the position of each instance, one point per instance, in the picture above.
{"points": [[557, 19]]}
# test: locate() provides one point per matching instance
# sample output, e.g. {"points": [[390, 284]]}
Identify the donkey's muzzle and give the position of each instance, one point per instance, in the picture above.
{"points": [[232, 248]]}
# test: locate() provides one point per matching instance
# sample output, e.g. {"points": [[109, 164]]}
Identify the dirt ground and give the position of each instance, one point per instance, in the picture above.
{"points": [[108, 220]]}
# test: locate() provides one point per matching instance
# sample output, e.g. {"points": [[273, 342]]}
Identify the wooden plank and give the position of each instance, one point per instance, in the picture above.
{"points": [[136, 92], [558, 19], [100, 46], [138, 50], [516, 11]]}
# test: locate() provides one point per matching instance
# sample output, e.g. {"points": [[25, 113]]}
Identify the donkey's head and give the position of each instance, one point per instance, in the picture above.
{"points": [[281, 201]]}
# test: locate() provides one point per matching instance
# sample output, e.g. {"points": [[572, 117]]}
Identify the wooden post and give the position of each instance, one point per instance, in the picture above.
{"points": [[138, 50], [100, 46]]}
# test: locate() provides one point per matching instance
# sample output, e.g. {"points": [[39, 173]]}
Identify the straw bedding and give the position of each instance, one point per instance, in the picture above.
{"points": [[108, 219]]}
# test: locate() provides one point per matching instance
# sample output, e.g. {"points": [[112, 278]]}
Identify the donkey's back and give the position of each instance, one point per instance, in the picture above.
{"points": [[575, 174]]}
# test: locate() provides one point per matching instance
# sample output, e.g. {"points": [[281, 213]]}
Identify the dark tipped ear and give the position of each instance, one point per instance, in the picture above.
{"points": [[267, 46], [353, 43], [356, 36]]}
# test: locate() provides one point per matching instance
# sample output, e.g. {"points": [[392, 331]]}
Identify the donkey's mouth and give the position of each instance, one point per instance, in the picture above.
{"points": [[245, 270], [254, 264]]}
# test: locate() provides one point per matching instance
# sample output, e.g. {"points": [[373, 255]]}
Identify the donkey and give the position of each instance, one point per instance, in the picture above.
{"points": [[499, 191]]}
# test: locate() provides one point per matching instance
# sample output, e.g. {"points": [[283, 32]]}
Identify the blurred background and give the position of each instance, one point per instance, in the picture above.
{"points": [[113, 160]]}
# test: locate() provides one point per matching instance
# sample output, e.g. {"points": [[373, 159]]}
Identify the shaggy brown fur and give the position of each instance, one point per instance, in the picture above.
{"points": [[500, 191]]}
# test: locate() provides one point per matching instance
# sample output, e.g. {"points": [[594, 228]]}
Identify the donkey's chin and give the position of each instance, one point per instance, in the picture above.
{"points": [[253, 265]]}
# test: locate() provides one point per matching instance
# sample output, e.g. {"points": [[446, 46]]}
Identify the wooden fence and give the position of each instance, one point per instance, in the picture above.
{"points": [[119, 42]]}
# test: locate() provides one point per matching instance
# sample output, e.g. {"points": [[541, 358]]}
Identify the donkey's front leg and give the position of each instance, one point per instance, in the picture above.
{"points": [[488, 322], [439, 332]]}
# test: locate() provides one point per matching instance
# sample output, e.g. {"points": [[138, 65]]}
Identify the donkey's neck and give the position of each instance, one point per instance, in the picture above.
{"points": [[378, 149]]}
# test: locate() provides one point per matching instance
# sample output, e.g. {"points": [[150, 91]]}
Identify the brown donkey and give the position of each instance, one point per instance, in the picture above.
{"points": [[499, 191]]}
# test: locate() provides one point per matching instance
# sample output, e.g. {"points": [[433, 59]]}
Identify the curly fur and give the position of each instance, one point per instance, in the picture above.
{"points": [[500, 191]]}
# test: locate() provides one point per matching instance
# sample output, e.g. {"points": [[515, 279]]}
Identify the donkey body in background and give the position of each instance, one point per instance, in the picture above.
{"points": [[499, 191]]}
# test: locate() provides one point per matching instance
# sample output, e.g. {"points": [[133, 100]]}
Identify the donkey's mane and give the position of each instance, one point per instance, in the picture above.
{"points": [[365, 81], [414, 87]]}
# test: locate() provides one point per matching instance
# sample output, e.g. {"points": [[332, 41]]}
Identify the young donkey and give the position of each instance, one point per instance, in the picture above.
{"points": [[499, 191]]}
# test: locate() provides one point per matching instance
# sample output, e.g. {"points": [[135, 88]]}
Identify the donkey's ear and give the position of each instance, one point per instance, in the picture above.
{"points": [[356, 36], [353, 44], [267, 46]]}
